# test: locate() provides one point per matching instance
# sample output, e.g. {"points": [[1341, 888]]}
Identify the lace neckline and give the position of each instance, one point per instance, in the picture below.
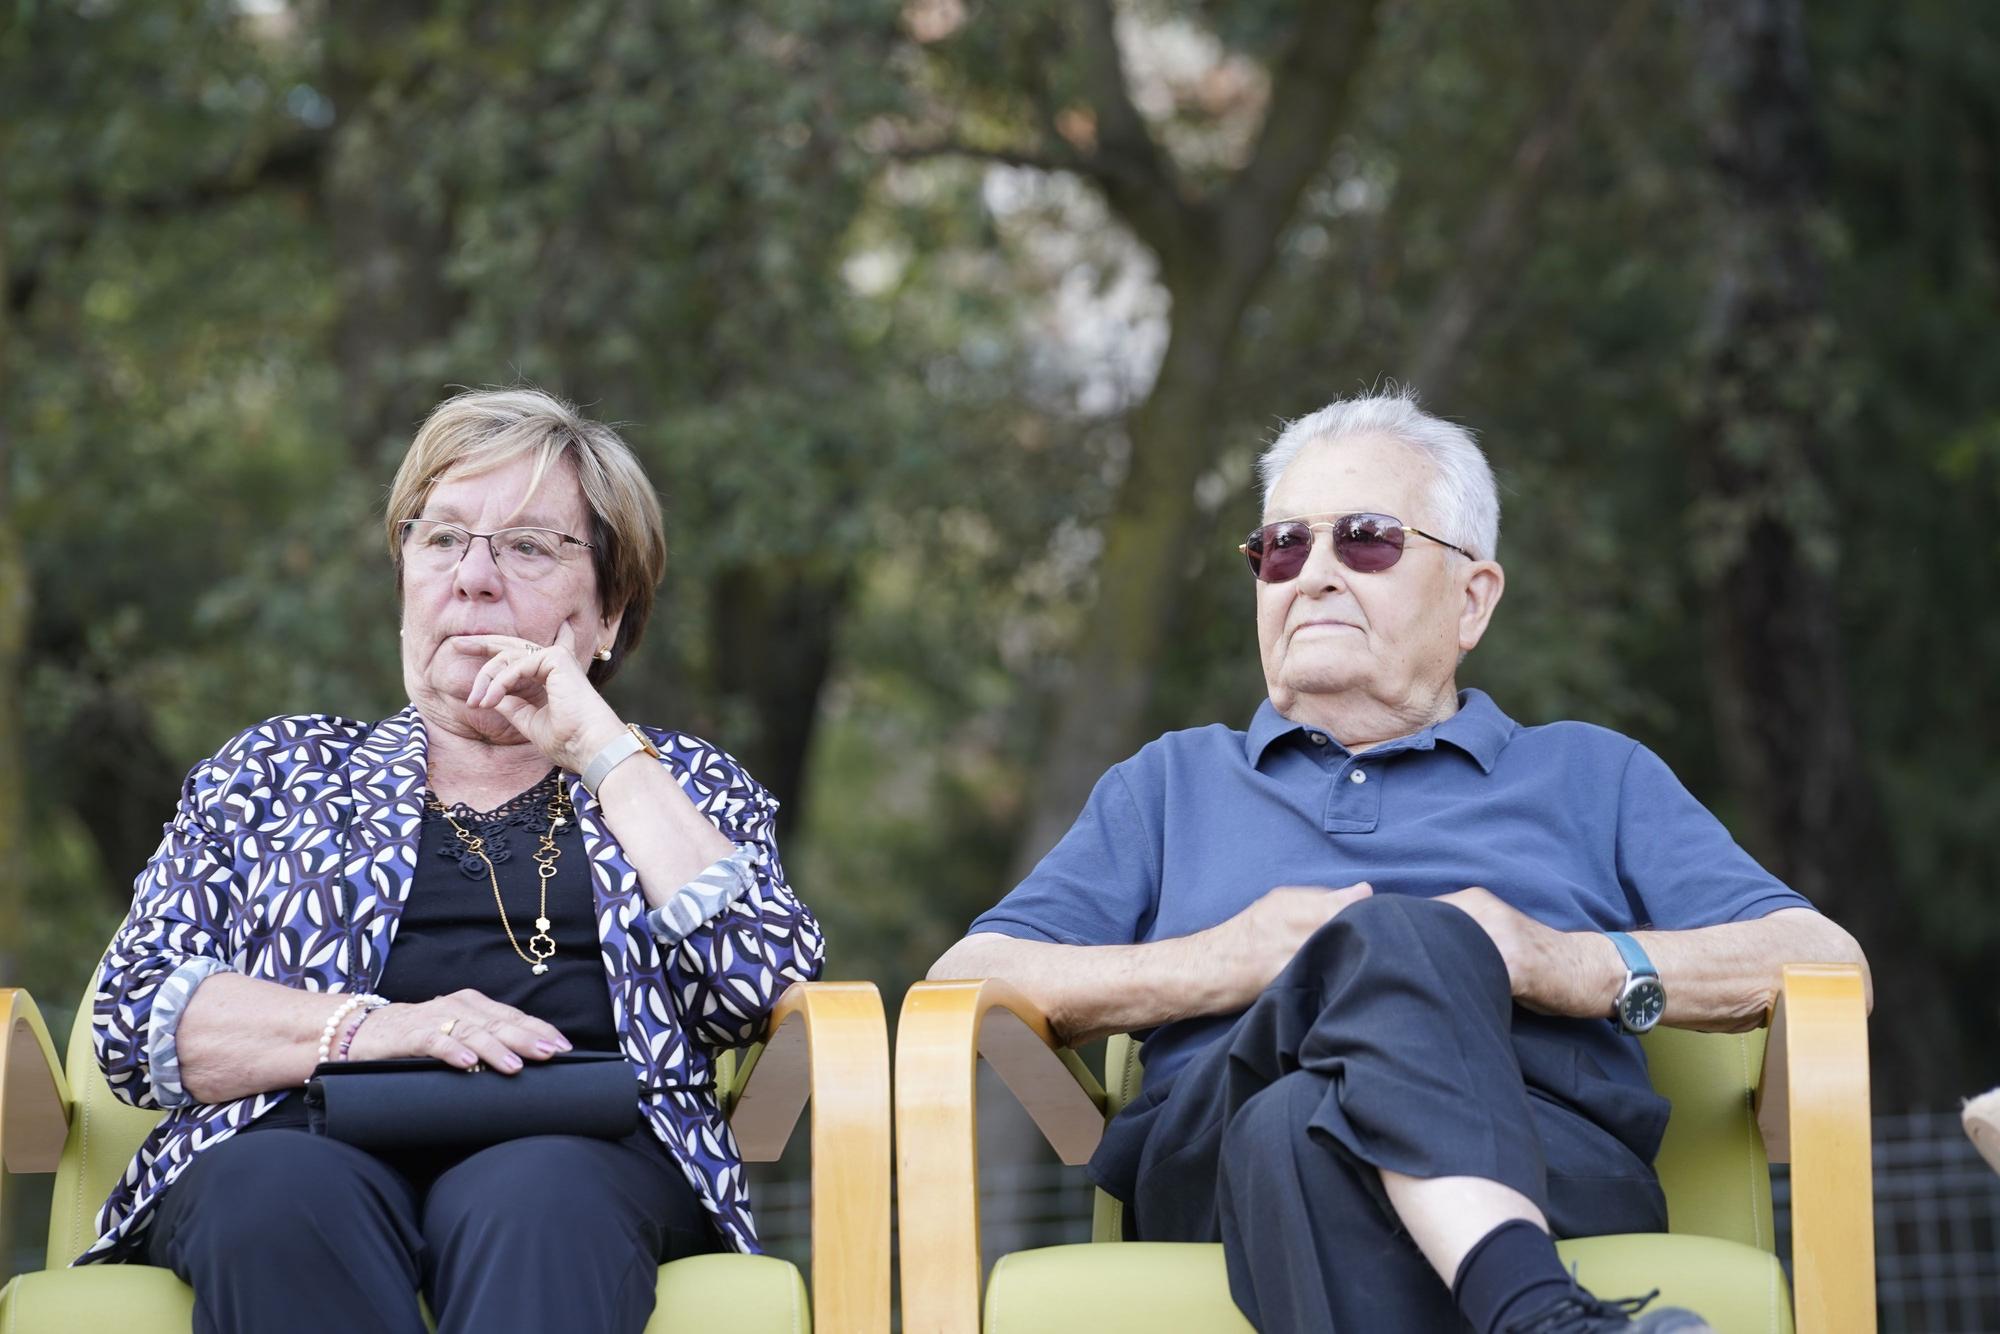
{"points": [[521, 809]]}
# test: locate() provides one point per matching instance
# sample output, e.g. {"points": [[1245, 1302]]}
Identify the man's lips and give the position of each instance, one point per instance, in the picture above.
{"points": [[1303, 626]]}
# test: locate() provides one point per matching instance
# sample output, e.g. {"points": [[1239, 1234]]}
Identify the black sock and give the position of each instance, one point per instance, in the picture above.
{"points": [[1512, 1271]]}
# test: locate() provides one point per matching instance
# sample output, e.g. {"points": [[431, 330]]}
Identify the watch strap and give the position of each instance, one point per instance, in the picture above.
{"points": [[1635, 958], [616, 751]]}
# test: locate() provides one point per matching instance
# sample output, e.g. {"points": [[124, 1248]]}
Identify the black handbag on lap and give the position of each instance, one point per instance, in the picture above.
{"points": [[420, 1103]]}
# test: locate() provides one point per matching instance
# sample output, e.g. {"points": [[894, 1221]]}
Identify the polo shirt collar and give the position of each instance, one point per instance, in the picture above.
{"points": [[1479, 729]]}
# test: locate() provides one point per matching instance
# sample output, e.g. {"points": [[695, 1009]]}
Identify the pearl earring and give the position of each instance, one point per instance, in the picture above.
{"points": [[603, 654]]}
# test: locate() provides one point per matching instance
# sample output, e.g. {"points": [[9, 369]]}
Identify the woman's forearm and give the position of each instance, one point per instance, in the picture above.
{"points": [[665, 838], [239, 1036]]}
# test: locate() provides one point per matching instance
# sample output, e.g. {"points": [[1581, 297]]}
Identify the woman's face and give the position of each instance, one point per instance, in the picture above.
{"points": [[445, 601]]}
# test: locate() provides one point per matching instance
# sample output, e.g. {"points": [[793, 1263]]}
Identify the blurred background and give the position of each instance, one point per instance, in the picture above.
{"points": [[950, 330]]}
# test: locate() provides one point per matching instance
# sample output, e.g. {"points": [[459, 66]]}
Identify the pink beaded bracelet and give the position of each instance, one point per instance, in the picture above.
{"points": [[347, 1042]]}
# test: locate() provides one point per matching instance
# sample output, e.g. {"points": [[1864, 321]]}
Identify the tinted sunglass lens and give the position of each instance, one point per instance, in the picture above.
{"points": [[1368, 543], [1284, 547]]}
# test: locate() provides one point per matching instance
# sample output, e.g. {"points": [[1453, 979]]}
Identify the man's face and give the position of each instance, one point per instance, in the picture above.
{"points": [[1394, 637]]}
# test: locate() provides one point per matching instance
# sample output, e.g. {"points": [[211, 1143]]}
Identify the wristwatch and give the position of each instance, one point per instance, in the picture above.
{"points": [[616, 751], [1642, 1000]]}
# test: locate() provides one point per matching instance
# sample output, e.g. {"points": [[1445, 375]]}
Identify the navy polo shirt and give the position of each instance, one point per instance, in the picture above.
{"points": [[1575, 825]]}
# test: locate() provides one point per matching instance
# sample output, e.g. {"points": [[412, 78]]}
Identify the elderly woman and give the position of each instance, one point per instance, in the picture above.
{"points": [[503, 871]]}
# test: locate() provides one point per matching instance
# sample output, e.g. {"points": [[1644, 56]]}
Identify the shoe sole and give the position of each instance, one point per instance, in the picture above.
{"points": [[1982, 1124]]}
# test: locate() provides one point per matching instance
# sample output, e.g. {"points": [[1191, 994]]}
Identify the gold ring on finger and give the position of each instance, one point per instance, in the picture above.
{"points": [[446, 1027]]}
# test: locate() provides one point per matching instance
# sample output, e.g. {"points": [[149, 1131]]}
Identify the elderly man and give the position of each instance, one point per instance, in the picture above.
{"points": [[1390, 949]]}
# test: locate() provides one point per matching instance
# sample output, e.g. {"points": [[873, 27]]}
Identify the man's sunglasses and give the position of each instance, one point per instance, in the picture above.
{"points": [[1364, 543]]}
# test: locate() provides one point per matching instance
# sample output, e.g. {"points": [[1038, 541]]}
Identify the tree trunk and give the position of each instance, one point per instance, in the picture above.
{"points": [[773, 651], [1762, 526], [13, 663], [389, 244], [1100, 714], [1213, 255]]}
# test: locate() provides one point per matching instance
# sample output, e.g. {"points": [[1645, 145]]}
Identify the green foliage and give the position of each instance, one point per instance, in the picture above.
{"points": [[860, 368]]}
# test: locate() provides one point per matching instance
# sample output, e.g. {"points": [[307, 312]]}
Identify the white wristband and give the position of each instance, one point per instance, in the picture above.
{"points": [[616, 751]]}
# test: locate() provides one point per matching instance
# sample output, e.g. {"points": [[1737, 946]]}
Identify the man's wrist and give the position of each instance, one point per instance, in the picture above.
{"points": [[1601, 969]]}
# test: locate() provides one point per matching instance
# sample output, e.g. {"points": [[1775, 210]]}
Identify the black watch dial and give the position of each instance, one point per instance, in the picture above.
{"points": [[1641, 1005]]}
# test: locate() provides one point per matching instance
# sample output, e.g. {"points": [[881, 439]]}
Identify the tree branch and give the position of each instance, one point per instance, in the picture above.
{"points": [[1465, 292], [294, 161], [1134, 173], [1008, 157], [1311, 84]]}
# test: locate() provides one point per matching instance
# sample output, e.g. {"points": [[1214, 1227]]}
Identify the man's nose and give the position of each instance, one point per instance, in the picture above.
{"points": [[1322, 570]]}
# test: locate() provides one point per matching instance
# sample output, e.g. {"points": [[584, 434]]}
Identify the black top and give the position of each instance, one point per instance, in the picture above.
{"points": [[450, 934]]}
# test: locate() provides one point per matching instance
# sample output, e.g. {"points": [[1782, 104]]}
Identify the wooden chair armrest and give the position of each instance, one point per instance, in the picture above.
{"points": [[1812, 1106], [34, 1094], [829, 1042], [945, 1028]]}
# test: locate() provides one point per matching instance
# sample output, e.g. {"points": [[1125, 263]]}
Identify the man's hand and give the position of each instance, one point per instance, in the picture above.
{"points": [[1574, 973], [1253, 947]]}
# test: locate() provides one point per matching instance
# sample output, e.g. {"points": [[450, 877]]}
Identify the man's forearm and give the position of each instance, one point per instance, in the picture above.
{"points": [[1720, 979], [1725, 978], [1087, 991]]}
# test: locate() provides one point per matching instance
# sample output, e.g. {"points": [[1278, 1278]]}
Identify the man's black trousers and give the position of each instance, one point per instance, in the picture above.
{"points": [[1390, 1042]]}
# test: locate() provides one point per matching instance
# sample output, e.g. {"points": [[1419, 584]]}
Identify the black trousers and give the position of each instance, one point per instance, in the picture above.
{"points": [[1391, 1041], [280, 1229]]}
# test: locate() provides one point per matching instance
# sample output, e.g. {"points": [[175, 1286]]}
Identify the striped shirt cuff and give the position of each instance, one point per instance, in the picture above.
{"points": [[701, 898], [163, 1055]]}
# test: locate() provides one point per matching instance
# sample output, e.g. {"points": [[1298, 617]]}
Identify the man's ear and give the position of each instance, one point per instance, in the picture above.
{"points": [[1483, 583]]}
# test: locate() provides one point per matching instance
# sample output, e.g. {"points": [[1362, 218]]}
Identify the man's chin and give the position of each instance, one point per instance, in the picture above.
{"points": [[1323, 678]]}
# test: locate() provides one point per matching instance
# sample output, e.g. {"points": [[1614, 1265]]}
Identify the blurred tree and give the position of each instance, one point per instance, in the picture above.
{"points": [[1764, 522], [950, 331]]}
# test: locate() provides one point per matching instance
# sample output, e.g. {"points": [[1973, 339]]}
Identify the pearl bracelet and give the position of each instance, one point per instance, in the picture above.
{"points": [[360, 1000]]}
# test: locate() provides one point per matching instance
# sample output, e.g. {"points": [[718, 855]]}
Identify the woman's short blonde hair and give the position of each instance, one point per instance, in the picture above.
{"points": [[483, 429]]}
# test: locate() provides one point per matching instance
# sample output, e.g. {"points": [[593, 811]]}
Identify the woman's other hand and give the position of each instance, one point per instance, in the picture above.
{"points": [[464, 1029], [544, 694]]}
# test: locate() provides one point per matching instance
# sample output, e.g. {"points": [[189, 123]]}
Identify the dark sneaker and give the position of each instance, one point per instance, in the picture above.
{"points": [[1578, 1312]]}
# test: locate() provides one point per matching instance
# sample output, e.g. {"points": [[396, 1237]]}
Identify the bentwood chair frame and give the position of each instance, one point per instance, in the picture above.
{"points": [[1810, 1109], [826, 1042]]}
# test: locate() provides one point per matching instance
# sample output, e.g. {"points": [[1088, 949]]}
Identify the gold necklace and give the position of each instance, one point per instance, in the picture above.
{"points": [[541, 945]]}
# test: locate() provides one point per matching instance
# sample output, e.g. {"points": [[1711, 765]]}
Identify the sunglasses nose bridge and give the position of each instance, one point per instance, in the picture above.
{"points": [[1323, 565]]}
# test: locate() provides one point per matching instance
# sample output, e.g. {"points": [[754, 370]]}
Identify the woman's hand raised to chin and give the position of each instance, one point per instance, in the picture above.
{"points": [[543, 693]]}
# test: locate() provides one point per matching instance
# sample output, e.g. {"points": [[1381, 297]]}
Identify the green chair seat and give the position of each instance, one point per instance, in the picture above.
{"points": [[1739, 1289], [132, 1299], [1135, 1287], [704, 1292], [1145, 1287]]}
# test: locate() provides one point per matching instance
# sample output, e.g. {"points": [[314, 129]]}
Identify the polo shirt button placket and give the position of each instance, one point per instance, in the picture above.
{"points": [[1355, 805]]}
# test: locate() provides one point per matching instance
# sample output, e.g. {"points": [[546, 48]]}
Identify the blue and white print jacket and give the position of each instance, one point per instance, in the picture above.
{"points": [[290, 858]]}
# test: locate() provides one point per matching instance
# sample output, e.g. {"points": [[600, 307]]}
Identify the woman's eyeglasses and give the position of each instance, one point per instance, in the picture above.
{"points": [[434, 546], [1364, 543]]}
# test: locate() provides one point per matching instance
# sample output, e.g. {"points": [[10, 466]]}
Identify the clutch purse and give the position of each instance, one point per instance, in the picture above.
{"points": [[419, 1103]]}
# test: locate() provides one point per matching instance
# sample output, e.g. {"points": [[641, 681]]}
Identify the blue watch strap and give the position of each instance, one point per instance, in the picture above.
{"points": [[1635, 958]]}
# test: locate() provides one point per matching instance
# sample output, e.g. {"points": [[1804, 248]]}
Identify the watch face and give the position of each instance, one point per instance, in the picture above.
{"points": [[1640, 1007]]}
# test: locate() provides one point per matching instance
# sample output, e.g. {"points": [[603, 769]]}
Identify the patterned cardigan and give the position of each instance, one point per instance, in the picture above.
{"points": [[290, 858]]}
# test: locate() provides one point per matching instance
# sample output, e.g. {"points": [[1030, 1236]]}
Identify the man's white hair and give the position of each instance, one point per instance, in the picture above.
{"points": [[1465, 503]]}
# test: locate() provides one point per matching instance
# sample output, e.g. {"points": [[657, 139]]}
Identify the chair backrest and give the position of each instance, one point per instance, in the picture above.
{"points": [[104, 1133], [1711, 1164]]}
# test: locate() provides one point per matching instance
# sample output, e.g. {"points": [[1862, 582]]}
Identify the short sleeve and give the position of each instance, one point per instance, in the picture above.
{"points": [[1678, 865], [1101, 884]]}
